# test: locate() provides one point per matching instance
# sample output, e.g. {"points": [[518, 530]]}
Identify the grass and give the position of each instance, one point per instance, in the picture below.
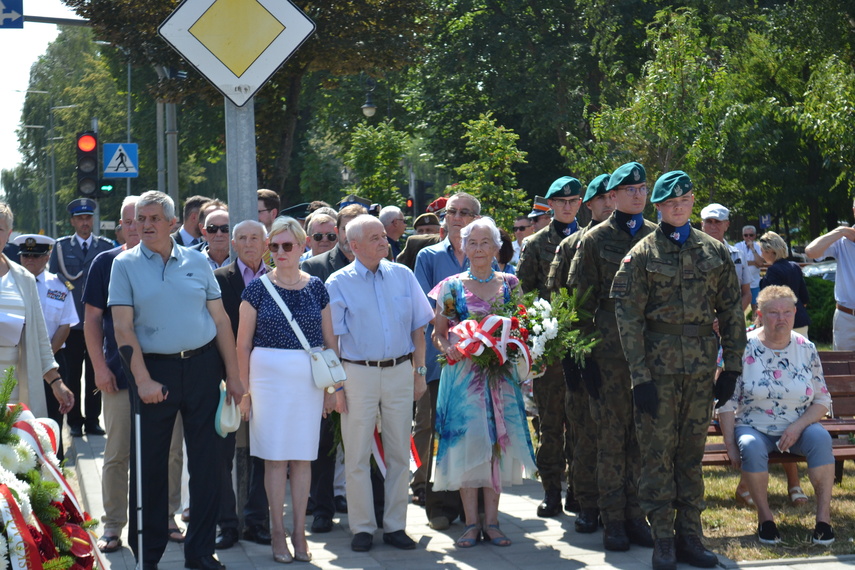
{"points": [[731, 530]]}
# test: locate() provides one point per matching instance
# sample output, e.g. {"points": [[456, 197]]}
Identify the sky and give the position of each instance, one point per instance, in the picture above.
{"points": [[21, 49]]}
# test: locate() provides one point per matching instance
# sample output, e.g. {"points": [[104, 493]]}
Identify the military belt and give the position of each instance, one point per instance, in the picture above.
{"points": [[608, 305], [679, 330]]}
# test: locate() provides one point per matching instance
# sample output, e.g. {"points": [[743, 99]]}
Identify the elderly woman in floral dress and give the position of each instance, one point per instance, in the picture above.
{"points": [[480, 418]]}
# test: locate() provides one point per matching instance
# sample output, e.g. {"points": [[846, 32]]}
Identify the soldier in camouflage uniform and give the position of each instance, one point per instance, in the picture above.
{"points": [[670, 288], [553, 452], [583, 438], [606, 374]]}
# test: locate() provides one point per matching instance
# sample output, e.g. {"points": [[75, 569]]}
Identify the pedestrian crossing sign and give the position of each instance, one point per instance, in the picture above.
{"points": [[120, 160]]}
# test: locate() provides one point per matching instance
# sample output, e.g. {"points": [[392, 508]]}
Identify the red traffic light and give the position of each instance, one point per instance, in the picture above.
{"points": [[87, 143], [409, 202]]}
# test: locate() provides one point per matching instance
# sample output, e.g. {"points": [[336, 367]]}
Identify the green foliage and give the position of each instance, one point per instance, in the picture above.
{"points": [[490, 176], [820, 309], [375, 158]]}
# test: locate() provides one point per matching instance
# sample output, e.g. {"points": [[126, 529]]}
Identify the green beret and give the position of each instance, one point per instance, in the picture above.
{"points": [[564, 187], [596, 187], [671, 185], [629, 173]]}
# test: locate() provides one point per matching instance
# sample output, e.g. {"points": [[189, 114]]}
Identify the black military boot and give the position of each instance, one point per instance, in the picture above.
{"points": [[664, 557], [551, 504], [614, 536], [586, 521], [638, 532], [571, 505], [691, 550]]}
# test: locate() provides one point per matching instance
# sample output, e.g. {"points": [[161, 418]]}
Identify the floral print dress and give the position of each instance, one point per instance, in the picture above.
{"points": [[483, 433], [777, 386]]}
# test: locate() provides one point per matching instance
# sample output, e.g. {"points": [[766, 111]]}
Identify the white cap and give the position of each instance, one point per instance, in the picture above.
{"points": [[715, 212]]}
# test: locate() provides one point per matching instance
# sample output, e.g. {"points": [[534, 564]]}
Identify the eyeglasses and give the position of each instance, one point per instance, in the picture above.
{"points": [[264, 210], [213, 228], [461, 213], [748, 235], [319, 236], [566, 201], [286, 247], [521, 228], [635, 190]]}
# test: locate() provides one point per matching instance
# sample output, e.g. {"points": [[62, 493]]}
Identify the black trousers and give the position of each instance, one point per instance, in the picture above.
{"points": [[255, 511], [193, 386], [87, 400]]}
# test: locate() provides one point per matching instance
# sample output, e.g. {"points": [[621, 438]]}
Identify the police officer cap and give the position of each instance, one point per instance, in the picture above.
{"points": [[671, 185], [33, 244], [82, 206], [596, 187], [564, 187], [629, 173], [298, 211], [539, 207], [354, 199], [715, 212]]}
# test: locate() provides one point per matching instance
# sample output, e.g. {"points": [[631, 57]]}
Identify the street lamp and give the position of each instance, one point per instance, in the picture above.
{"points": [[369, 108]]}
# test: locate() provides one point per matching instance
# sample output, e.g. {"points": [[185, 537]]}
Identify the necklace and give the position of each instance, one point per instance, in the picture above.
{"points": [[283, 283], [487, 280]]}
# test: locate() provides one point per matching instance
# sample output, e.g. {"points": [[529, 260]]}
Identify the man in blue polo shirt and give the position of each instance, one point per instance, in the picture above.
{"points": [[166, 306]]}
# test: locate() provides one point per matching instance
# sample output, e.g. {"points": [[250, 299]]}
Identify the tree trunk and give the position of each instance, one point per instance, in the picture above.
{"points": [[282, 166]]}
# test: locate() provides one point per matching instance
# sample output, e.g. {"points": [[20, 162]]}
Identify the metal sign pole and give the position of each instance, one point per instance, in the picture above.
{"points": [[242, 175]]}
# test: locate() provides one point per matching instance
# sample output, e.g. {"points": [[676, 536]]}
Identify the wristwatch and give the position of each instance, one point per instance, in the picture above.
{"points": [[421, 370], [330, 389]]}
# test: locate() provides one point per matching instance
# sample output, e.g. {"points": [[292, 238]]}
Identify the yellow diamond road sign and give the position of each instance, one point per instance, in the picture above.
{"points": [[236, 44]]}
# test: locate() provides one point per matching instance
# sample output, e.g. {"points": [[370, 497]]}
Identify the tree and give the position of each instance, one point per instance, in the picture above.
{"points": [[375, 158], [490, 175], [351, 36]]}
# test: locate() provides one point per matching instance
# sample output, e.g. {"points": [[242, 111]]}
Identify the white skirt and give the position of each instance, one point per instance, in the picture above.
{"points": [[286, 406]]}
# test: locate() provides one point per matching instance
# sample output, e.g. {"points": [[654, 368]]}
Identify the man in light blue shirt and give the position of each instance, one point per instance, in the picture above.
{"points": [[839, 243], [379, 312], [166, 306]]}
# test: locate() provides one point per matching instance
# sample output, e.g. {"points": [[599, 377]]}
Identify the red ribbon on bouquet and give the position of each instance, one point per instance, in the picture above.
{"points": [[476, 336]]}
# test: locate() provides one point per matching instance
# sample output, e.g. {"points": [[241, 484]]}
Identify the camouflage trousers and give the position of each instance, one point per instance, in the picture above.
{"points": [[671, 488], [618, 457], [583, 442], [553, 451]]}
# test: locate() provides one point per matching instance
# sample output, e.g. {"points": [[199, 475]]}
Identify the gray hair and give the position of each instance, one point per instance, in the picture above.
{"points": [[356, 227], [6, 214], [486, 223], [128, 201], [316, 218], [249, 225], [155, 197], [287, 224], [389, 214], [772, 242], [752, 228], [468, 196]]}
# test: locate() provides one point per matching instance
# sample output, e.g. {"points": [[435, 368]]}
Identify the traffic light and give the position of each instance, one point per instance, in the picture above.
{"points": [[88, 180], [409, 208], [105, 188]]}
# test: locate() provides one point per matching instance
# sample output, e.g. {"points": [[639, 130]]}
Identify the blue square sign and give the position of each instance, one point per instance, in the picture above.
{"points": [[120, 160], [11, 13]]}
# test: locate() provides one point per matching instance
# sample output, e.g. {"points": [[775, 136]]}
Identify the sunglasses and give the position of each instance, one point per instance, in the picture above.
{"points": [[286, 247], [33, 255], [748, 235], [319, 236], [213, 228], [521, 228]]}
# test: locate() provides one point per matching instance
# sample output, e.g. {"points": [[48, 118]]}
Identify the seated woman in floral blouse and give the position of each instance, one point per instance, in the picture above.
{"points": [[777, 403]]}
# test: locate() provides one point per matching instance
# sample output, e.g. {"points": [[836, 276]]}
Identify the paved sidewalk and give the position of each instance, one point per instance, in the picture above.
{"points": [[537, 543]]}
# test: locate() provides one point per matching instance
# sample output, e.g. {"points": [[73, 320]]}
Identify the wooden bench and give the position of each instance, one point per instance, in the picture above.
{"points": [[839, 371]]}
